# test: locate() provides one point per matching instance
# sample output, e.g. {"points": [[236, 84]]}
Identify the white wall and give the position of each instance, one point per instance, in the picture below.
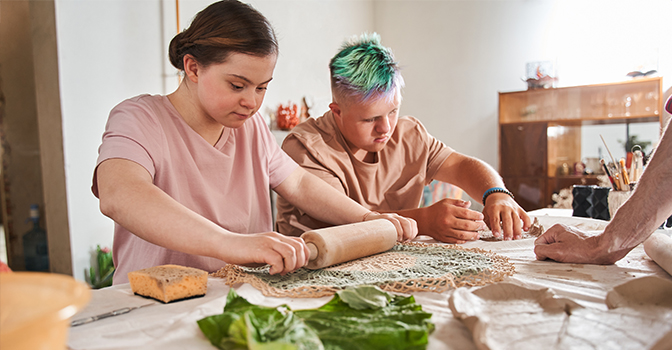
{"points": [[108, 51], [456, 56]]}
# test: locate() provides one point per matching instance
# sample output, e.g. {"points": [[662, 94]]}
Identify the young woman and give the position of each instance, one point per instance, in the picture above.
{"points": [[186, 177]]}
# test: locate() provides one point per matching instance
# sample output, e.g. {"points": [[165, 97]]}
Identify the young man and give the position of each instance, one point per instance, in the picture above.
{"points": [[364, 149]]}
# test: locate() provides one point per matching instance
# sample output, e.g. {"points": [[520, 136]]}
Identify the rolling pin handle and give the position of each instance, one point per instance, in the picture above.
{"points": [[313, 251]]}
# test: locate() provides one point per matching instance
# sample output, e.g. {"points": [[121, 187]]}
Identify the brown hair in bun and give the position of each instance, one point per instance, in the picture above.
{"points": [[220, 29]]}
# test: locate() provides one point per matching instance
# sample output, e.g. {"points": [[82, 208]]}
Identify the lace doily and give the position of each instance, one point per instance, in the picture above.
{"points": [[406, 268]]}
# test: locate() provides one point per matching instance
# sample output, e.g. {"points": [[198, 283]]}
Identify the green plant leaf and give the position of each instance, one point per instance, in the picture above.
{"points": [[101, 273], [399, 324], [105, 281], [88, 276], [365, 297], [247, 326]]}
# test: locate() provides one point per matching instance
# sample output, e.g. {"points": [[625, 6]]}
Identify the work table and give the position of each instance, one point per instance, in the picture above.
{"points": [[173, 325]]}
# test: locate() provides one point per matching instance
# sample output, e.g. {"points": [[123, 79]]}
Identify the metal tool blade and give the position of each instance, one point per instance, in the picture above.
{"points": [[117, 312]]}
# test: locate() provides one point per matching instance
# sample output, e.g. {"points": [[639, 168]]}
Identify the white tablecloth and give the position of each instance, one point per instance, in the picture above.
{"points": [[173, 326]]}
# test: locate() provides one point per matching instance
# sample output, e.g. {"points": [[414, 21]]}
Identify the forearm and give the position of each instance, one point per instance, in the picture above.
{"points": [[647, 208], [470, 174], [166, 223], [149, 213], [416, 214], [319, 200], [420, 215]]}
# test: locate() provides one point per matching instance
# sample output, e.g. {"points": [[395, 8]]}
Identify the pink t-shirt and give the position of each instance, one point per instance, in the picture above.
{"points": [[228, 183]]}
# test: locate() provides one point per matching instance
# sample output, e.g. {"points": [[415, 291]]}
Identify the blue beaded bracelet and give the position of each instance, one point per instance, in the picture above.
{"points": [[495, 190]]}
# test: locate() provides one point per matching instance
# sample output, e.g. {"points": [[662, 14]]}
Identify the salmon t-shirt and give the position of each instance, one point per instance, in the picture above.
{"points": [[408, 162], [228, 183]]}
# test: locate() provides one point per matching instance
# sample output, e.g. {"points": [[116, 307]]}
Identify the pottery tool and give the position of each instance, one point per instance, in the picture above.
{"points": [[617, 174], [659, 248], [334, 245], [608, 151], [624, 172], [117, 312], [637, 167], [608, 173]]}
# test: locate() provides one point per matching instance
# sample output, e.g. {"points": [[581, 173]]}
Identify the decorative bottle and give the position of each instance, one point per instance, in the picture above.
{"points": [[35, 249]]}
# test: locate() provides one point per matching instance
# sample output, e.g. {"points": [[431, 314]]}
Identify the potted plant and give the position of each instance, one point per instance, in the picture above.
{"points": [[100, 276]]}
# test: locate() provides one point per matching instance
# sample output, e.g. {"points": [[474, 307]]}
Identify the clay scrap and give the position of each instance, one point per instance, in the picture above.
{"points": [[508, 316], [535, 231]]}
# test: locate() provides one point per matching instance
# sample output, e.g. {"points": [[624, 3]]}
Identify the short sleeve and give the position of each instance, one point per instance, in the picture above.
{"points": [[280, 165], [298, 151], [438, 152], [131, 133]]}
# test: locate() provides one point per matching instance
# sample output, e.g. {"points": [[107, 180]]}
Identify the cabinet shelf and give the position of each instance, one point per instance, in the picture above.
{"points": [[634, 99], [574, 176], [540, 131], [592, 121]]}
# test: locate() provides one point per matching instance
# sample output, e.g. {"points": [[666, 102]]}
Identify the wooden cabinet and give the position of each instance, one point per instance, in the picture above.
{"points": [[540, 132]]}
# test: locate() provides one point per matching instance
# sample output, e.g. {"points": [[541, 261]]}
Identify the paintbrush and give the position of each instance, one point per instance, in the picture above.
{"points": [[606, 171], [624, 172], [613, 160]]}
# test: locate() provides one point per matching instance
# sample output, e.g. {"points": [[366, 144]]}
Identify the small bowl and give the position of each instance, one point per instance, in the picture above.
{"points": [[35, 309]]}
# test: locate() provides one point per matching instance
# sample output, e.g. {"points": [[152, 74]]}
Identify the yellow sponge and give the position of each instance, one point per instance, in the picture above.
{"points": [[167, 283]]}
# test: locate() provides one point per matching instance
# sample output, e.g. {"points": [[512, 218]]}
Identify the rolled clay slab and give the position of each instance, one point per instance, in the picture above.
{"points": [[338, 244], [659, 248]]}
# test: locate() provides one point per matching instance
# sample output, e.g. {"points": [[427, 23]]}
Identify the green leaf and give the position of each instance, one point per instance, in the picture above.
{"points": [[101, 273], [88, 275], [247, 326], [235, 303], [217, 329], [104, 281], [365, 297], [287, 332], [400, 324]]}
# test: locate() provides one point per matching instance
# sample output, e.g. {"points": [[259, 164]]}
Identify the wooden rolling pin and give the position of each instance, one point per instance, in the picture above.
{"points": [[334, 245], [659, 248]]}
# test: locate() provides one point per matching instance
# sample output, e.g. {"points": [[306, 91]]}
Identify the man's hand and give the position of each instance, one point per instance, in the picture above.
{"points": [[505, 217], [451, 221], [564, 244], [407, 228], [570, 245]]}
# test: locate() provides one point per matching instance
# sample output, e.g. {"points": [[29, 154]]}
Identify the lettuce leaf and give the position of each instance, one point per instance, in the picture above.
{"points": [[247, 326], [365, 297], [398, 323]]}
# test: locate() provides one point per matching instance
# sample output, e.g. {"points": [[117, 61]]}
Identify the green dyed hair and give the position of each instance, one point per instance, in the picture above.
{"points": [[365, 69]]}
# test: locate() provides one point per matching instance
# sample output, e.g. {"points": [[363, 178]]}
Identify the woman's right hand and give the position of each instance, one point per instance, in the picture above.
{"points": [[283, 253]]}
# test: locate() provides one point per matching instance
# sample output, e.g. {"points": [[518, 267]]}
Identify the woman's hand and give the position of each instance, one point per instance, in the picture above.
{"points": [[283, 253]]}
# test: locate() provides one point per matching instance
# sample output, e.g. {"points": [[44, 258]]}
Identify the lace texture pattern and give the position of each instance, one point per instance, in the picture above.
{"points": [[406, 268]]}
